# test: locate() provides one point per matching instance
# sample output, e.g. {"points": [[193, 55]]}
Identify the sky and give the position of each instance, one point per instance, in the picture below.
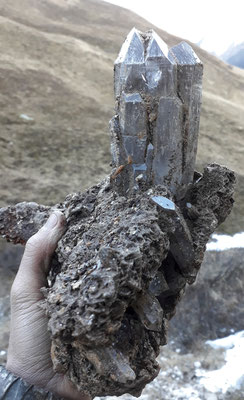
{"points": [[217, 23]]}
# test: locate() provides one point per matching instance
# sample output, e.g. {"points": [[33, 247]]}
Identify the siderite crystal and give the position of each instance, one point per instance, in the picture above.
{"points": [[158, 95], [136, 239]]}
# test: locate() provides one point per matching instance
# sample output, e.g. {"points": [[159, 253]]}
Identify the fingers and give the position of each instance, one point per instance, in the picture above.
{"points": [[40, 247], [62, 386], [37, 256]]}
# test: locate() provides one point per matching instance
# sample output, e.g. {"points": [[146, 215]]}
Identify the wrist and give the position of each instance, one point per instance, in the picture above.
{"points": [[13, 386], [30, 374]]}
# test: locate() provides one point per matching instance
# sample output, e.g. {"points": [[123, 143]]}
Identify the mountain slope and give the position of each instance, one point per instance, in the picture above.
{"points": [[57, 68], [234, 55]]}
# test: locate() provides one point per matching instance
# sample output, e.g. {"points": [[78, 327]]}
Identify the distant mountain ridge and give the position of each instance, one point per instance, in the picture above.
{"points": [[234, 55]]}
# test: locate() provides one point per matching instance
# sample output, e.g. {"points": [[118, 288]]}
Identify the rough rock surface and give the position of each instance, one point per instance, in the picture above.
{"points": [[180, 376], [115, 282]]}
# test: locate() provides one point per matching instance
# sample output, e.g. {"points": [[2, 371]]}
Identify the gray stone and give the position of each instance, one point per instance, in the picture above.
{"points": [[213, 306]]}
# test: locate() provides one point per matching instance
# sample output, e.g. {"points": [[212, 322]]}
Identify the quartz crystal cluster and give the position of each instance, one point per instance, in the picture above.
{"points": [[158, 98], [135, 240]]}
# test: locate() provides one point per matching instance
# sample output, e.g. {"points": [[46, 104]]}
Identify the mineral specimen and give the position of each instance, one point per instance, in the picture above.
{"points": [[136, 239], [158, 97]]}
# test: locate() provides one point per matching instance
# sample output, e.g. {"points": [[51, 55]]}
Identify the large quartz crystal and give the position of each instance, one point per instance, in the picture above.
{"points": [[158, 96], [136, 239]]}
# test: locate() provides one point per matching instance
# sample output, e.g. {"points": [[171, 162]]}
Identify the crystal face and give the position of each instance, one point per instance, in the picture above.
{"points": [[149, 311], [158, 99], [164, 202]]}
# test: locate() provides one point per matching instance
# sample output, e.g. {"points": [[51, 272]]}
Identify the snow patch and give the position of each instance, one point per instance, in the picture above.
{"points": [[186, 393], [231, 375], [225, 242]]}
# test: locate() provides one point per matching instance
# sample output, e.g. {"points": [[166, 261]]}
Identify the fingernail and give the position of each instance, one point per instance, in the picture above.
{"points": [[52, 221]]}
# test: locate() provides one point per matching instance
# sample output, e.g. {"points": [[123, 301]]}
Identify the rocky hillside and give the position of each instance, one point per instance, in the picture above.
{"points": [[56, 98], [213, 306]]}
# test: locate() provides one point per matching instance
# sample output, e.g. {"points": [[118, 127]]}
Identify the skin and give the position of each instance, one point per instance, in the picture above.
{"points": [[29, 343]]}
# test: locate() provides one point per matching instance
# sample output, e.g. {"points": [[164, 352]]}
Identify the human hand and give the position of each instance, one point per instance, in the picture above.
{"points": [[29, 343]]}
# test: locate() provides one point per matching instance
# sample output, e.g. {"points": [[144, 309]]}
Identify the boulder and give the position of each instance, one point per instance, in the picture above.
{"points": [[214, 305]]}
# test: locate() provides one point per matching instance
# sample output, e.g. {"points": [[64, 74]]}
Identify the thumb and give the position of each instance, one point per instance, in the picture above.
{"points": [[36, 260]]}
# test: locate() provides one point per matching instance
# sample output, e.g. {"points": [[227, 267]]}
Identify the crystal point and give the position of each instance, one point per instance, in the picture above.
{"points": [[157, 48], [158, 285], [110, 362], [184, 54], [132, 51], [149, 311]]}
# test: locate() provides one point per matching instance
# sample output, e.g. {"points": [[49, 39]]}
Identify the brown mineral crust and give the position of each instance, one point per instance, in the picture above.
{"points": [[207, 204], [132, 356], [113, 269], [108, 258], [117, 250]]}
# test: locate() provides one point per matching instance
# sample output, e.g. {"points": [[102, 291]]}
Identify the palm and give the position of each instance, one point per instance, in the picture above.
{"points": [[29, 344]]}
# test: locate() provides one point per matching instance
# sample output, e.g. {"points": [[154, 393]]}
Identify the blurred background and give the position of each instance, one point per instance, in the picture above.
{"points": [[56, 99]]}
